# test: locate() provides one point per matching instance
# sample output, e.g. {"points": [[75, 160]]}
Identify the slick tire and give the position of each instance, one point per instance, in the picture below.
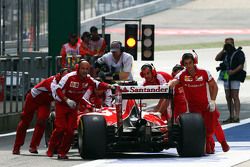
{"points": [[92, 136], [191, 142]]}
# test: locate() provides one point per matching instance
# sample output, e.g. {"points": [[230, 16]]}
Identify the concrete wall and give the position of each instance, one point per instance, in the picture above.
{"points": [[133, 12], [9, 122]]}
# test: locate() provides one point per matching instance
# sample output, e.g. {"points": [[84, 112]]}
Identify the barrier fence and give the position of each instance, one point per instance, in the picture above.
{"points": [[19, 74]]}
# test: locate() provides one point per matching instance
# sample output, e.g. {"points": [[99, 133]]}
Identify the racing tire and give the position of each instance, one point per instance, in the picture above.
{"points": [[92, 136], [192, 138], [50, 126]]}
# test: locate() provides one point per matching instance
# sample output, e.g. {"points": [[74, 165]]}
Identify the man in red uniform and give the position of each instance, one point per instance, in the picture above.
{"points": [[180, 103], [153, 77], [72, 48], [98, 97], [200, 90], [69, 93], [39, 98]]}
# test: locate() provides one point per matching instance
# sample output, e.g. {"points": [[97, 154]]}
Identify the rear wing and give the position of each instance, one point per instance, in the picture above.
{"points": [[147, 92]]}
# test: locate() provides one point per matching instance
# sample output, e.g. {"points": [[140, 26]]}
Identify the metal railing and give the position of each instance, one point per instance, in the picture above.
{"points": [[19, 75]]}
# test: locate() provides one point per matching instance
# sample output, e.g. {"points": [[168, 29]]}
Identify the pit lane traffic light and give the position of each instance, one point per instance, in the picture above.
{"points": [[147, 43], [131, 34]]}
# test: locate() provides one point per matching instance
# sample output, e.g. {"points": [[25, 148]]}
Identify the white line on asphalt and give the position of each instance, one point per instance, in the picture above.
{"points": [[14, 133]]}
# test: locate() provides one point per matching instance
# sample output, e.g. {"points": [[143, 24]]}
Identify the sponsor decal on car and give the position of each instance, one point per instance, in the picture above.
{"points": [[145, 89]]}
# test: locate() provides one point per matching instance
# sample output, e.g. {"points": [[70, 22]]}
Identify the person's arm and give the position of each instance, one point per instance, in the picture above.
{"points": [[219, 56], [108, 98], [213, 89], [162, 106], [173, 82], [237, 69], [127, 68]]}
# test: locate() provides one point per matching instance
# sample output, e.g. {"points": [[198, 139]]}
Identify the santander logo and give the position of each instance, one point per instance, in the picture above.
{"points": [[145, 89]]}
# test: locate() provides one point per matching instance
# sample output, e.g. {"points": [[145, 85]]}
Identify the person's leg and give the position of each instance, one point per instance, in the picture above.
{"points": [[42, 116], [26, 117], [230, 106], [210, 124], [60, 127], [68, 135], [236, 99], [220, 136]]}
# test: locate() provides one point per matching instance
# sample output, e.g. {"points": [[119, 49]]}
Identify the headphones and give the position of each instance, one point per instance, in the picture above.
{"points": [[187, 56], [76, 68], [150, 67]]}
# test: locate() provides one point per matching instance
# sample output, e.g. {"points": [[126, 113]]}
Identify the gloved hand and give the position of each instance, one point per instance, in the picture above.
{"points": [[212, 106], [114, 86], [71, 103]]}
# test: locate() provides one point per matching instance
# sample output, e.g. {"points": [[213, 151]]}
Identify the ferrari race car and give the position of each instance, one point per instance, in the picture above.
{"points": [[130, 125]]}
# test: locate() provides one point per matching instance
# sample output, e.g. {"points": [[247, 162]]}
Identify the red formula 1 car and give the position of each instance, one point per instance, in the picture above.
{"points": [[131, 126]]}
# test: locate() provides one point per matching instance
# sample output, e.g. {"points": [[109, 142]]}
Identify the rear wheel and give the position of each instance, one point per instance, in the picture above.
{"points": [[191, 142], [92, 136]]}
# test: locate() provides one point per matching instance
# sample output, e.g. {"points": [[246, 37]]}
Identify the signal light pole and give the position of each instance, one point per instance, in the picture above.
{"points": [[131, 35], [147, 43]]}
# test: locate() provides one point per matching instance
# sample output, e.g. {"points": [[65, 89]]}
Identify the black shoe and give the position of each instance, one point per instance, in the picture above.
{"points": [[236, 120], [33, 151], [62, 157], [229, 120]]}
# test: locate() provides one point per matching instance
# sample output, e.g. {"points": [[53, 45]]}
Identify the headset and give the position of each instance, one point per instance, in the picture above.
{"points": [[150, 67], [189, 55], [76, 68]]}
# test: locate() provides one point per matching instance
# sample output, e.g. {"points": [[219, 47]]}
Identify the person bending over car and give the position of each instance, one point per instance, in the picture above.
{"points": [[200, 99], [69, 93], [37, 99], [96, 98], [153, 77]]}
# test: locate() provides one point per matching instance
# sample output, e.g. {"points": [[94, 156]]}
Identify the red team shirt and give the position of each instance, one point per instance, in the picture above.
{"points": [[42, 91], [192, 85], [161, 78], [74, 87]]}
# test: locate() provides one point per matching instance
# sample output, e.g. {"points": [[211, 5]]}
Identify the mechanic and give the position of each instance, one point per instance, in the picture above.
{"points": [[37, 99], [153, 77], [96, 98], [180, 102], [119, 62], [194, 81], [71, 48], [69, 93]]}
